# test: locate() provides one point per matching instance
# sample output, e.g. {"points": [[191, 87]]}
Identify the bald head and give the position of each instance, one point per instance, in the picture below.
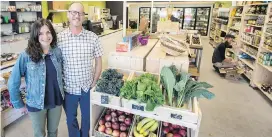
{"points": [[76, 14]]}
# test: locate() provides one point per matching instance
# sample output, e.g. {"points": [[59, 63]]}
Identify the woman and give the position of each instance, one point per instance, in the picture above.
{"points": [[41, 66]]}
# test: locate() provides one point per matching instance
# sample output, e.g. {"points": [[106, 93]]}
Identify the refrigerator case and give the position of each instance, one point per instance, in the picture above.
{"points": [[202, 20], [146, 12], [189, 18]]}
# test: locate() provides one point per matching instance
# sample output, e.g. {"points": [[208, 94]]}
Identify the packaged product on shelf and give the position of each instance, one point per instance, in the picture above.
{"points": [[142, 93], [108, 87], [132, 40], [122, 47], [114, 123], [171, 130], [145, 127], [265, 58], [180, 90]]}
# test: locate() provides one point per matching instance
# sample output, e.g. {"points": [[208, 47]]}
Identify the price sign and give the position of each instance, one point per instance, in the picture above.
{"points": [[176, 116], [104, 99], [138, 107]]}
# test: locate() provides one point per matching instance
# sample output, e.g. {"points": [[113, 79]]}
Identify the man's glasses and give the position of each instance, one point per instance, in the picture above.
{"points": [[74, 13]]}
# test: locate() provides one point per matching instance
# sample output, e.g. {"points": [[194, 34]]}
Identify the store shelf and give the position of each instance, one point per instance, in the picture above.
{"points": [[265, 93], [270, 50], [235, 28], [269, 68], [253, 34], [223, 30], [269, 23], [254, 15], [248, 53], [181, 123], [237, 17], [247, 76], [250, 44], [268, 33], [258, 4], [254, 25], [248, 63]]}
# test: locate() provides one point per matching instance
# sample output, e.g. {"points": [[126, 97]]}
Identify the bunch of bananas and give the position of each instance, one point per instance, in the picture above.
{"points": [[146, 127]]}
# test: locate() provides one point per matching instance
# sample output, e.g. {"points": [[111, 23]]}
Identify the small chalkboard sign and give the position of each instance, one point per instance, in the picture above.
{"points": [[104, 99], [176, 116], [138, 107]]}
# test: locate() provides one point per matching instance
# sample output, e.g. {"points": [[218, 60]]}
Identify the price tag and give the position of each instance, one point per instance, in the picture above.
{"points": [[104, 99], [176, 116], [138, 107]]}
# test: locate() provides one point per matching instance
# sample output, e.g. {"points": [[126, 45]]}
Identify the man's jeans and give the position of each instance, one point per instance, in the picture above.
{"points": [[70, 106]]}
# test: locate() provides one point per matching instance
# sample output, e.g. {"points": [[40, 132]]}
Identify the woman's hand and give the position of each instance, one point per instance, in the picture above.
{"points": [[23, 110]]}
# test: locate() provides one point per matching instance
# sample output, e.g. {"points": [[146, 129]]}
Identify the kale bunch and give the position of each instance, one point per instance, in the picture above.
{"points": [[110, 82]]}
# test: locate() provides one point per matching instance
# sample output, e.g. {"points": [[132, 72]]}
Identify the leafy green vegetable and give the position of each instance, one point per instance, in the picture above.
{"points": [[169, 81], [180, 87], [110, 82], [144, 89]]}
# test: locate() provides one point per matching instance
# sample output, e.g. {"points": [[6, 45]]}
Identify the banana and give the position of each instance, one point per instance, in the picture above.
{"points": [[136, 134], [154, 127], [147, 126], [146, 133], [142, 123]]}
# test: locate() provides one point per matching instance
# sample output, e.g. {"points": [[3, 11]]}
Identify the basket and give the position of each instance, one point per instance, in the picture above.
{"points": [[143, 39]]}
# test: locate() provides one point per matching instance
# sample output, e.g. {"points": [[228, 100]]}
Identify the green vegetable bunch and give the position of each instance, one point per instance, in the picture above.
{"points": [[110, 82], [144, 89], [181, 85]]}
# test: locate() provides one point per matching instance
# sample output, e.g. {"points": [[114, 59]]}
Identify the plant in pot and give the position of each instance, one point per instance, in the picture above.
{"points": [[143, 37]]}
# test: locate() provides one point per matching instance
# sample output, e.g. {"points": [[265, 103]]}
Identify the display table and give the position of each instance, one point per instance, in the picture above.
{"points": [[133, 60]]}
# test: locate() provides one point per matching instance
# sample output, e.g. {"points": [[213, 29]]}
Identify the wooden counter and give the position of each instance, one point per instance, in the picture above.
{"points": [[133, 60]]}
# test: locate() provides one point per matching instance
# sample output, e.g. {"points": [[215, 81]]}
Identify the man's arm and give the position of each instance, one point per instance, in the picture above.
{"points": [[98, 69]]}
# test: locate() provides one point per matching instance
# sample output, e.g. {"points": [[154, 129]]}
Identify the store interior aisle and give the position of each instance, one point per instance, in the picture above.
{"points": [[237, 109]]}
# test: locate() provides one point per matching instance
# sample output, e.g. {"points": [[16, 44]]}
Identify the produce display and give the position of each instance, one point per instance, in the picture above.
{"points": [[170, 130], [145, 127], [180, 88], [115, 123], [144, 89], [8, 57], [110, 82]]}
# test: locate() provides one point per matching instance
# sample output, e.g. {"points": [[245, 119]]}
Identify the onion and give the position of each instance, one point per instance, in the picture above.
{"points": [[115, 133], [166, 130], [121, 118], [113, 114], [101, 122], [108, 112], [123, 134], [120, 112], [169, 135], [108, 117], [182, 132], [175, 126], [108, 124], [165, 124], [175, 131], [114, 119], [108, 131], [101, 128], [123, 128], [128, 121], [127, 113], [182, 127], [115, 125], [112, 110], [177, 135]]}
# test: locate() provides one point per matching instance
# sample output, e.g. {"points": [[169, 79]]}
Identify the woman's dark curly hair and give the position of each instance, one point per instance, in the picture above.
{"points": [[34, 48]]}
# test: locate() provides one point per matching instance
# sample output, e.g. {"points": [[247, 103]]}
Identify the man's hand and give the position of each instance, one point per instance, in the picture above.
{"points": [[93, 84], [229, 60], [98, 69]]}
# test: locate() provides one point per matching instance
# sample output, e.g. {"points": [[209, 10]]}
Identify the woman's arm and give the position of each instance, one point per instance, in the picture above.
{"points": [[14, 81]]}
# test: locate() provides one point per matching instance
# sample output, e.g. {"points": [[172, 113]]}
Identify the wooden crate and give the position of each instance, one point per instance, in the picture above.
{"points": [[105, 98], [184, 114], [133, 60], [134, 104], [157, 59], [101, 134], [135, 125], [162, 135]]}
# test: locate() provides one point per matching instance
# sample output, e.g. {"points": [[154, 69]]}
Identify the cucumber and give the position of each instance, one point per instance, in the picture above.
{"points": [[147, 126], [154, 127], [142, 123]]}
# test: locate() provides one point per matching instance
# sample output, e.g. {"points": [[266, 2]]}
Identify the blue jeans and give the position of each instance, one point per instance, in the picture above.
{"points": [[70, 106]]}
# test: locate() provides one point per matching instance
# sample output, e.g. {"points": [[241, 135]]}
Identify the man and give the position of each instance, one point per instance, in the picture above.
{"points": [[79, 48], [218, 59]]}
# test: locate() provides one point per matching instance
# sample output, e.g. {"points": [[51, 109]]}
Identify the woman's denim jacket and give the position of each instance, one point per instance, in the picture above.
{"points": [[35, 78]]}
